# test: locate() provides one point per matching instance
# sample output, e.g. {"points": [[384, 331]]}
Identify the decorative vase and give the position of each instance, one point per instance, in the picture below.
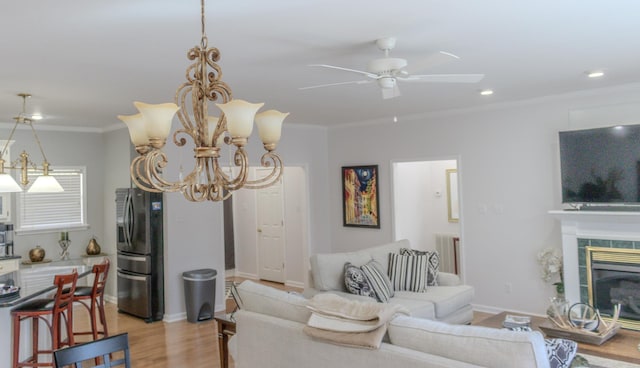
{"points": [[559, 306], [93, 248], [36, 254]]}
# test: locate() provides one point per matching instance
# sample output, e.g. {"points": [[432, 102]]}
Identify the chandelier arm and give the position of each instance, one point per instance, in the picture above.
{"points": [[266, 161], [35, 135], [6, 144]]}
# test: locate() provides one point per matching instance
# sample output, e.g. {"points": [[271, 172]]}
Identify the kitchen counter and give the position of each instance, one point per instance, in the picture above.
{"points": [[6, 305]]}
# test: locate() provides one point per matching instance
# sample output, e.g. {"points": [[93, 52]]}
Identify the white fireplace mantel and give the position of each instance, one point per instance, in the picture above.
{"points": [[590, 225]]}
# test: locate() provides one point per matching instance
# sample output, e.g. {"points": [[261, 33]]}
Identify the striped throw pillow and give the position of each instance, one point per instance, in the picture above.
{"points": [[433, 267], [378, 280], [408, 272]]}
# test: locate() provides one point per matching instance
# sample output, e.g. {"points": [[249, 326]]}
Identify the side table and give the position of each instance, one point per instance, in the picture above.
{"points": [[226, 329]]}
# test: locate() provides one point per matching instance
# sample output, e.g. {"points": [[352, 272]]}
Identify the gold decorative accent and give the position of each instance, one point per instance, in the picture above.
{"points": [[612, 255], [207, 180], [24, 163]]}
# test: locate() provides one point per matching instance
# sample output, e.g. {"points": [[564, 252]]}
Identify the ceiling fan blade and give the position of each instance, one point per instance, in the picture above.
{"points": [[388, 93], [443, 78], [432, 60], [336, 84], [370, 75]]}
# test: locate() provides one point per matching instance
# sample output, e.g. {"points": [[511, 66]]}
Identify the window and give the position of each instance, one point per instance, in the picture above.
{"points": [[54, 211]]}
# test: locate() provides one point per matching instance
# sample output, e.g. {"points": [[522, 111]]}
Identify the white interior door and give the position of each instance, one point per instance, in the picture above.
{"points": [[271, 243]]}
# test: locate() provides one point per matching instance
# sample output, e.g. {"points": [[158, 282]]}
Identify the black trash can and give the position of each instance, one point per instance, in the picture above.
{"points": [[200, 294]]}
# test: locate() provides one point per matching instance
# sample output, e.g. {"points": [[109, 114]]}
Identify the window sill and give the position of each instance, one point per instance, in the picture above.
{"points": [[51, 230]]}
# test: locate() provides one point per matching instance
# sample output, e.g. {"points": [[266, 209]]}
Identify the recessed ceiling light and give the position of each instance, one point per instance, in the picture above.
{"points": [[395, 119], [595, 74], [486, 92], [36, 117]]}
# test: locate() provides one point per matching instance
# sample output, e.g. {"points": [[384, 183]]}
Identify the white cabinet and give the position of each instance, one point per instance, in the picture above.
{"points": [[9, 265]]}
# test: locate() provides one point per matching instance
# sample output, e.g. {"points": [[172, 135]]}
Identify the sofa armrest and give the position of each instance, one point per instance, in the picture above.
{"points": [[448, 279]]}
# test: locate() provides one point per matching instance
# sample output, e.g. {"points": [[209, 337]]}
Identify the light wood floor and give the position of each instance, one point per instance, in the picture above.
{"points": [[160, 344]]}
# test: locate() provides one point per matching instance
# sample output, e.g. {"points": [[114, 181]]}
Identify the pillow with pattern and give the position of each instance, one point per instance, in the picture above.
{"points": [[356, 282], [433, 263], [378, 280], [408, 272]]}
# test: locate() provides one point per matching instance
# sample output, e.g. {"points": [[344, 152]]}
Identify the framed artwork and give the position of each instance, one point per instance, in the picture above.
{"points": [[360, 196], [453, 207]]}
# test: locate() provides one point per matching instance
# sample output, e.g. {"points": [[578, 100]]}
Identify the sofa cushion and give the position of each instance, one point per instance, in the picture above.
{"points": [[446, 299], [408, 272], [433, 263], [327, 269], [378, 280], [487, 347], [264, 299], [357, 282]]}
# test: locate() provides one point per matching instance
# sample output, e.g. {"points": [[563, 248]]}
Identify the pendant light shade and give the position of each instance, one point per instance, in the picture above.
{"points": [[45, 184], [8, 184]]}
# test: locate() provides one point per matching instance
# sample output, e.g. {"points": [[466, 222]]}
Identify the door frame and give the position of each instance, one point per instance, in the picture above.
{"points": [[459, 164]]}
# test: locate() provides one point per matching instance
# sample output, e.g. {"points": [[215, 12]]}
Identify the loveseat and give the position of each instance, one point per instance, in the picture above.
{"points": [[270, 335], [449, 301]]}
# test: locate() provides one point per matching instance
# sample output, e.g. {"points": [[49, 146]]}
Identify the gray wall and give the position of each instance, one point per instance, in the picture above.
{"points": [[509, 179]]}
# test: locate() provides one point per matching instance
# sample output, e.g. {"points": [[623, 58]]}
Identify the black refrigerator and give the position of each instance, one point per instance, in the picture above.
{"points": [[140, 253]]}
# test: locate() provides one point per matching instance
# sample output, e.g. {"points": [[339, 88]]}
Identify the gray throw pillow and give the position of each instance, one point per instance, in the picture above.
{"points": [[378, 280], [356, 281]]}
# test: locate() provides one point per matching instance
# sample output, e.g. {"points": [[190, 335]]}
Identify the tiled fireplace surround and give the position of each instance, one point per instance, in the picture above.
{"points": [[592, 228]]}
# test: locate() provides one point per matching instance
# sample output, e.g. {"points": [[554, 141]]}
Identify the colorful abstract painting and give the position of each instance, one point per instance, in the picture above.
{"points": [[360, 196]]}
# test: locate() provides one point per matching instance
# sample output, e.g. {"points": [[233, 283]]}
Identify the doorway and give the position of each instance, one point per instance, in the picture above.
{"points": [[291, 206], [433, 224]]}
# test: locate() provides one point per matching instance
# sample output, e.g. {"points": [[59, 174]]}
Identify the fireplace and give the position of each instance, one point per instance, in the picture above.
{"points": [[613, 277]]}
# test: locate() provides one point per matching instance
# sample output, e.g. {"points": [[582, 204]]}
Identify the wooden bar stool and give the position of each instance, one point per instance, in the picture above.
{"points": [[92, 298], [59, 308]]}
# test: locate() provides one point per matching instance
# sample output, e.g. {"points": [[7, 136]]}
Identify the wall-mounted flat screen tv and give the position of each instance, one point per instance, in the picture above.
{"points": [[601, 165]]}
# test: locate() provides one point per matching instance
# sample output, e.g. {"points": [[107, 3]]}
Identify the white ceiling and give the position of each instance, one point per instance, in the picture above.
{"points": [[84, 62]]}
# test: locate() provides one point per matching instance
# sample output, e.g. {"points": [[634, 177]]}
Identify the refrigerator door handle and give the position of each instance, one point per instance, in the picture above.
{"points": [[131, 277], [128, 220], [132, 258]]}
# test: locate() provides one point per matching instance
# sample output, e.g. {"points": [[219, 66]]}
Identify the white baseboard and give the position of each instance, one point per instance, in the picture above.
{"points": [[110, 299], [175, 317], [296, 284], [246, 275], [496, 310]]}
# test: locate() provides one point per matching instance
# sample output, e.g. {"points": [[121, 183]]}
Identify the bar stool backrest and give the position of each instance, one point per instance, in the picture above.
{"points": [[64, 294], [101, 271]]}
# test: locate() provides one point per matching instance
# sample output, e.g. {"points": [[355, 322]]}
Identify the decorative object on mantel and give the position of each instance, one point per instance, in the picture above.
{"points": [[550, 259], [45, 183], [578, 326], [93, 248], [37, 254], [64, 243], [208, 180]]}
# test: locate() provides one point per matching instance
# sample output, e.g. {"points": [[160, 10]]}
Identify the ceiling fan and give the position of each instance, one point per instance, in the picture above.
{"points": [[388, 71]]}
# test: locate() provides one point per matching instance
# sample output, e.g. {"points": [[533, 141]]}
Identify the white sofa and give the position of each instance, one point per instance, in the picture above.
{"points": [[450, 301], [270, 335]]}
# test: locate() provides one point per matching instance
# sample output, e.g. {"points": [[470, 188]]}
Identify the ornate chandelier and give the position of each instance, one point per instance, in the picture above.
{"points": [[44, 183], [208, 180]]}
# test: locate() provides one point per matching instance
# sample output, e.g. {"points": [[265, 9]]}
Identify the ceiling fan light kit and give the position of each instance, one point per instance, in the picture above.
{"points": [[208, 180], [388, 71]]}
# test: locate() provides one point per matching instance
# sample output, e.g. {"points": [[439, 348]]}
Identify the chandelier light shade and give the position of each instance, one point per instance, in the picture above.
{"points": [[208, 180], [8, 184], [44, 183]]}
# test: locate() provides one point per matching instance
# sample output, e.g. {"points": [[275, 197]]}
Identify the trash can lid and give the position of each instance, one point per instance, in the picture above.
{"points": [[202, 274]]}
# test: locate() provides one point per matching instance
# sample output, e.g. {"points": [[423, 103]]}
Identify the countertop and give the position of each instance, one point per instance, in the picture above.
{"points": [[20, 298], [9, 257]]}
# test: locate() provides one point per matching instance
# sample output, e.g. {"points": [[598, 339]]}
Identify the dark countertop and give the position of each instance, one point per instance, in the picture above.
{"points": [[20, 298]]}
